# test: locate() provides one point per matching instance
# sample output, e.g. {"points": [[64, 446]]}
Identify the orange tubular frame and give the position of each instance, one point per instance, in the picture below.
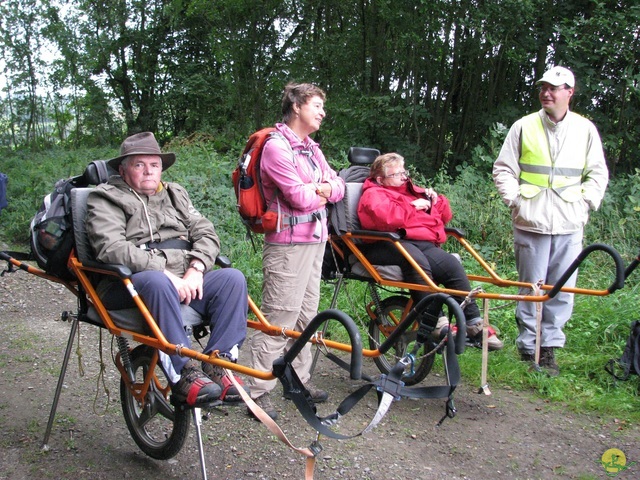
{"points": [[157, 340], [350, 240]]}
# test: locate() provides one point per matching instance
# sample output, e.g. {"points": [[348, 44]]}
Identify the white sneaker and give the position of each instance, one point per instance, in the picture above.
{"points": [[441, 328], [474, 334]]}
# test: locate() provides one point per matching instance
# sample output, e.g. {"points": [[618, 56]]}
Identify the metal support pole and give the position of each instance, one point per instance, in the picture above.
{"points": [[63, 371], [197, 420]]}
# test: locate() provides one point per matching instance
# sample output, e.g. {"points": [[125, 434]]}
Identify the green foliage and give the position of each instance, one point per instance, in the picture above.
{"points": [[31, 176], [596, 333], [615, 223], [427, 79], [477, 207]]}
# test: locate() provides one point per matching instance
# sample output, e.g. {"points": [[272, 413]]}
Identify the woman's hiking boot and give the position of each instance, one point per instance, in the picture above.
{"points": [[474, 334], [317, 395], [264, 402]]}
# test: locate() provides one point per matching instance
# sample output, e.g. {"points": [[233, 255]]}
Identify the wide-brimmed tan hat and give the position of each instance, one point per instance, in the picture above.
{"points": [[142, 144]]}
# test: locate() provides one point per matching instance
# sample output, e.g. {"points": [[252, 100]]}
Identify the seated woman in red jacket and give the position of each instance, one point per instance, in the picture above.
{"points": [[390, 202]]}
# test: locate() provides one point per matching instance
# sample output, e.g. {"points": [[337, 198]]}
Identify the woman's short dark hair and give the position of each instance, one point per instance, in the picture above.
{"points": [[298, 94]]}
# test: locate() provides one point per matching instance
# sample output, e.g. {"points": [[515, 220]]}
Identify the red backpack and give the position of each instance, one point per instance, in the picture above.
{"points": [[247, 183]]}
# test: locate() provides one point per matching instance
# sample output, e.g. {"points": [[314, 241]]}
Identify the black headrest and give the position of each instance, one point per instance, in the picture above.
{"points": [[97, 172], [362, 155]]}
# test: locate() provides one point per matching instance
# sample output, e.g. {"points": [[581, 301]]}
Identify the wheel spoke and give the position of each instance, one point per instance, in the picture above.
{"points": [[157, 427], [382, 325]]}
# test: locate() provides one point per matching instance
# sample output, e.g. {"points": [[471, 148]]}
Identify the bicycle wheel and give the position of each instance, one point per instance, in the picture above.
{"points": [[381, 327], [157, 427]]}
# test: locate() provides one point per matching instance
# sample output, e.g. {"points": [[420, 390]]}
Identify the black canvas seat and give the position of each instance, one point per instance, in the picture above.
{"points": [[343, 217]]}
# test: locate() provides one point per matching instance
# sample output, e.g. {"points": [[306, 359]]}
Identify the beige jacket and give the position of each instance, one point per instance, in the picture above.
{"points": [[119, 222]]}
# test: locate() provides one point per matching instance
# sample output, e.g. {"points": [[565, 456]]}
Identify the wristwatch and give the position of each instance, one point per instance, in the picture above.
{"points": [[197, 265]]}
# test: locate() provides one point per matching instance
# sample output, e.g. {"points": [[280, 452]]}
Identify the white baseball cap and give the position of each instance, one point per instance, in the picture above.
{"points": [[557, 76]]}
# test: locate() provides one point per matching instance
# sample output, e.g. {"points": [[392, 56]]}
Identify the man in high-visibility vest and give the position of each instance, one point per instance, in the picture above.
{"points": [[550, 172]]}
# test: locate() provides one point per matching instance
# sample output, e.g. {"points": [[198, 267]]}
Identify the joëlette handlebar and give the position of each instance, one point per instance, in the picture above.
{"points": [[415, 313], [348, 324], [617, 284], [632, 266], [493, 278]]}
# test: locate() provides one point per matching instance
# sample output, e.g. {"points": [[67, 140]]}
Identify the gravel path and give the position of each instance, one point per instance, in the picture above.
{"points": [[506, 435]]}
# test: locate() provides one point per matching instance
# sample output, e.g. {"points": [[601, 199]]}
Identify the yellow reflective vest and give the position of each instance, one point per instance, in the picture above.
{"points": [[539, 170]]}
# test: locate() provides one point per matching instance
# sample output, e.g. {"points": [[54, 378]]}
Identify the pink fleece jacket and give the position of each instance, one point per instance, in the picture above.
{"points": [[292, 171]]}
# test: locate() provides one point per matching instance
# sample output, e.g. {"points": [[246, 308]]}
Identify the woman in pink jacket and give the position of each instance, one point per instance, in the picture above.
{"points": [[390, 202], [297, 183]]}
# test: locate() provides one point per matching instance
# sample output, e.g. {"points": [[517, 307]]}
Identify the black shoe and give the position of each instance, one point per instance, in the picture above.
{"points": [[548, 361], [264, 402], [528, 357], [194, 388]]}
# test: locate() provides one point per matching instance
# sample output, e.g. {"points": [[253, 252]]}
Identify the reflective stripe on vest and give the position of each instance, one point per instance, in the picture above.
{"points": [[538, 171]]}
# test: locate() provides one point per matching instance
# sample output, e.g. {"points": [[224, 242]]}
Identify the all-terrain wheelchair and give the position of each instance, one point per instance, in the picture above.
{"points": [[388, 302], [400, 341]]}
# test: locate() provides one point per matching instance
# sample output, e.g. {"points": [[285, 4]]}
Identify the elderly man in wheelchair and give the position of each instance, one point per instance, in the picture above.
{"points": [[152, 227]]}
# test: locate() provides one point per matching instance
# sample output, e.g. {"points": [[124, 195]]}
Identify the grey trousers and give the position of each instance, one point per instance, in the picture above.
{"points": [[546, 258], [290, 298]]}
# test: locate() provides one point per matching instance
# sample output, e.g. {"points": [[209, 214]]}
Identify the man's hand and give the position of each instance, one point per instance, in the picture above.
{"points": [[189, 287]]}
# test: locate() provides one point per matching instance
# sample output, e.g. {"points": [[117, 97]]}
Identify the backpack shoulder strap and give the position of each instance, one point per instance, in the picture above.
{"points": [[277, 134], [280, 136]]}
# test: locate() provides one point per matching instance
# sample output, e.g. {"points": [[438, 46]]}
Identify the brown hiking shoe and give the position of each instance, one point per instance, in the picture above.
{"points": [[317, 395], [194, 388], [264, 402], [229, 392], [528, 357], [548, 361]]}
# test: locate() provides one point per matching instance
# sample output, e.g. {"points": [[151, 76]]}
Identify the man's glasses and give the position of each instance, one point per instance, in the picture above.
{"points": [[549, 89], [402, 174]]}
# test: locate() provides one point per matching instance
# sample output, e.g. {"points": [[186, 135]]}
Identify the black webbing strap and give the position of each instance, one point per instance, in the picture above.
{"points": [[22, 256], [293, 386], [169, 244], [388, 387], [440, 391], [393, 385], [434, 391], [390, 384]]}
